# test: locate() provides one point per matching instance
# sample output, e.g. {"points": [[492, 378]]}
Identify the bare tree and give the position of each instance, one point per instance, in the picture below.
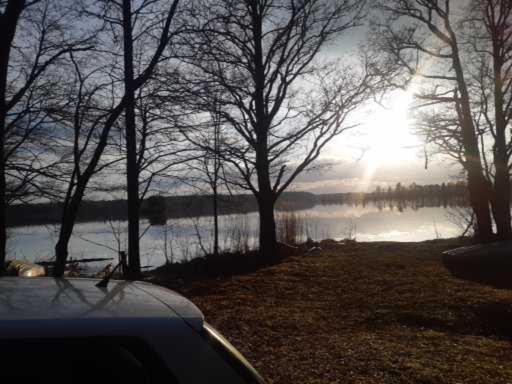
{"points": [[490, 35], [209, 166], [145, 8], [162, 153], [252, 58], [85, 116], [132, 176], [212, 166], [157, 34], [34, 36], [421, 42]]}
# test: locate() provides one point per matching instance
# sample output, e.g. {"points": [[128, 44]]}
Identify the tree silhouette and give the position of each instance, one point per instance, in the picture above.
{"points": [[251, 57]]}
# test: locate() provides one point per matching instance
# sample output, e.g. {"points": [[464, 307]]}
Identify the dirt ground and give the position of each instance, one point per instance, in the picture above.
{"points": [[364, 313]]}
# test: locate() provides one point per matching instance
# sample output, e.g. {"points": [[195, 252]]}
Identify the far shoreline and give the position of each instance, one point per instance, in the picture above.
{"points": [[158, 208]]}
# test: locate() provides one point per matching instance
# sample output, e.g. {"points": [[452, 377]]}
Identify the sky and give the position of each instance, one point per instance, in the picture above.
{"points": [[383, 150]]}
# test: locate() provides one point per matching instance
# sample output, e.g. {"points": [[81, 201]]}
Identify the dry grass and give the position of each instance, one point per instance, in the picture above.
{"points": [[364, 313]]}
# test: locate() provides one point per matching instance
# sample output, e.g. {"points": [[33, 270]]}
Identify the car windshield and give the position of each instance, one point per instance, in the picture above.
{"points": [[81, 360]]}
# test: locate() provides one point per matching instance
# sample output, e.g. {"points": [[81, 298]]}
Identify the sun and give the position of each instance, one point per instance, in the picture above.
{"points": [[384, 137], [389, 140], [389, 131]]}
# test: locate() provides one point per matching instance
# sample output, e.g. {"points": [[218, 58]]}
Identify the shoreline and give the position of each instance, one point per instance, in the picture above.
{"points": [[229, 264]]}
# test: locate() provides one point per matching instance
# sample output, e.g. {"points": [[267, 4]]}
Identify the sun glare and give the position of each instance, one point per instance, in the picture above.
{"points": [[389, 133], [389, 137]]}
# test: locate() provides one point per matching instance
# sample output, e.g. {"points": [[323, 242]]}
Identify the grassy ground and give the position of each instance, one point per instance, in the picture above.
{"points": [[364, 313]]}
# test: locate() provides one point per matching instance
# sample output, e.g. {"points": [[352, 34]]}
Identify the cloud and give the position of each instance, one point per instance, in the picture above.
{"points": [[348, 176]]}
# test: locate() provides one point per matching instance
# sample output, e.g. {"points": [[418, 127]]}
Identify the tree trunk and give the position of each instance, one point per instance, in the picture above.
{"points": [[131, 148], [215, 221], [478, 185], [268, 238], [501, 207], [74, 197], [69, 214], [8, 23], [3, 202], [266, 200], [501, 192], [479, 191], [61, 248], [215, 184], [265, 195]]}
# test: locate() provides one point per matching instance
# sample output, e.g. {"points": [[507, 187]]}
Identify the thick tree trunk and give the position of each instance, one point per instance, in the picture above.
{"points": [[501, 193], [265, 196], [266, 200], [479, 191], [3, 202], [131, 148], [478, 185], [501, 207], [8, 23], [268, 238]]}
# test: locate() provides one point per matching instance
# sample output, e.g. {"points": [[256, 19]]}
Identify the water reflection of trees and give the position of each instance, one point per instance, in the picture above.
{"points": [[402, 204], [404, 197]]}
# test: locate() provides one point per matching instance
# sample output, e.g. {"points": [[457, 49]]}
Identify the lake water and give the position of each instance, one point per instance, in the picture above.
{"points": [[187, 238]]}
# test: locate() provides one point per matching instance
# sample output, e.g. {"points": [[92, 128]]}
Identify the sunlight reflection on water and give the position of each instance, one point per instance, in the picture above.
{"points": [[369, 223]]}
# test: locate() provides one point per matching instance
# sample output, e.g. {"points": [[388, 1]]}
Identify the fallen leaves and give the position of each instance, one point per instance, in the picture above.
{"points": [[364, 313]]}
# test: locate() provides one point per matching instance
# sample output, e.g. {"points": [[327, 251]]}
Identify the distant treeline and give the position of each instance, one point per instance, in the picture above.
{"points": [[426, 195], [155, 208], [160, 208]]}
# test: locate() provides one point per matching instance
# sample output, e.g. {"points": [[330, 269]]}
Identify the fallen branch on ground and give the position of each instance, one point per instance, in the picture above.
{"points": [[72, 261]]}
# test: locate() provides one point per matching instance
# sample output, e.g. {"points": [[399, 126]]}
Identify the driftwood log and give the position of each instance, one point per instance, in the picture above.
{"points": [[73, 261]]}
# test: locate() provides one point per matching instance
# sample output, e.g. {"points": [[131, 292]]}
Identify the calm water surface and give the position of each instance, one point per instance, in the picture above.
{"points": [[187, 238]]}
